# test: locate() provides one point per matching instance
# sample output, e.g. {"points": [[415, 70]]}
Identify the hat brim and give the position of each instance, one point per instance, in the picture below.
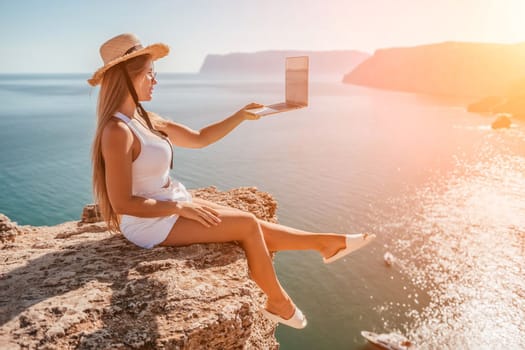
{"points": [[156, 51]]}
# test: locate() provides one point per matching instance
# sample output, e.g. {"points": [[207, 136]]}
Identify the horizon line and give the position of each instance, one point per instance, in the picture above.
{"points": [[296, 50]]}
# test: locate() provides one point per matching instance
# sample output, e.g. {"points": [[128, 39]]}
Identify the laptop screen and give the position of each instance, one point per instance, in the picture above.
{"points": [[297, 80]]}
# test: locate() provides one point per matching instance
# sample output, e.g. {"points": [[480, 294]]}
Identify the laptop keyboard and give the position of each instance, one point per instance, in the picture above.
{"points": [[280, 106], [273, 108]]}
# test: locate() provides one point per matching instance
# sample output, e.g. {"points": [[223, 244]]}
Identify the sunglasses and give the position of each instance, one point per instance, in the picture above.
{"points": [[151, 75]]}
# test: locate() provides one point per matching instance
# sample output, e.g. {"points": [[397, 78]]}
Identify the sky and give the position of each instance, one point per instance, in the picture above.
{"points": [[53, 36]]}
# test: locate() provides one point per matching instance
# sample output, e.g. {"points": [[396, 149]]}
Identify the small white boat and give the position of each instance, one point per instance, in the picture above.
{"points": [[389, 259], [390, 341]]}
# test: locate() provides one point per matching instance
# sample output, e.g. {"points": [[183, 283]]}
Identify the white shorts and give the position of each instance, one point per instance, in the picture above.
{"points": [[148, 232]]}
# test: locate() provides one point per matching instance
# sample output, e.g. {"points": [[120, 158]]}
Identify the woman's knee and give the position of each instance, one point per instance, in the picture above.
{"points": [[234, 226], [243, 222]]}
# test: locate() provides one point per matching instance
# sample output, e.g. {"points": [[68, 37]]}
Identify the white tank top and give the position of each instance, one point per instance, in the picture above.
{"points": [[150, 171]]}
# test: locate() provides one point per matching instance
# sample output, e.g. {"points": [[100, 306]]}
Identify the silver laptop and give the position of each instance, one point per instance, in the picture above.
{"points": [[296, 88]]}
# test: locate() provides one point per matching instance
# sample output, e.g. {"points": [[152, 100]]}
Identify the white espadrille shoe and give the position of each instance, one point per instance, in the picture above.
{"points": [[353, 243]]}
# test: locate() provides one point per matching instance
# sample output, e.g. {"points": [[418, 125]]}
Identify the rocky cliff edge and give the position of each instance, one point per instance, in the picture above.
{"points": [[77, 286]]}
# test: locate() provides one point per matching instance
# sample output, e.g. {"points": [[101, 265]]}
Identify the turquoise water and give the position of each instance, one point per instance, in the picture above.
{"points": [[443, 192]]}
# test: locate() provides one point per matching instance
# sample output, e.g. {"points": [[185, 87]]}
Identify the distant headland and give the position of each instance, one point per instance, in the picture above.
{"points": [[271, 63], [492, 75], [449, 68]]}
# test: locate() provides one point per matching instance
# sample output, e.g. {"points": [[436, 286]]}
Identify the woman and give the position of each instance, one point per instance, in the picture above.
{"points": [[132, 157]]}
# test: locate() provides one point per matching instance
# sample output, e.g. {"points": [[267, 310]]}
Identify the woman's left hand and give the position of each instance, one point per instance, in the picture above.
{"points": [[246, 115]]}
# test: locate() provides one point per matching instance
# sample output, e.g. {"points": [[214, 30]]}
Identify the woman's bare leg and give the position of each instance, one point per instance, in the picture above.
{"points": [[242, 227], [280, 237]]}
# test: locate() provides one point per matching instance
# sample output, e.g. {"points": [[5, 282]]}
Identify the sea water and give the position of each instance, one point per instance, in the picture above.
{"points": [[442, 191]]}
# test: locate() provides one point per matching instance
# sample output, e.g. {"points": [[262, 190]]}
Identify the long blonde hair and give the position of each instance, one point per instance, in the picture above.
{"points": [[113, 93]]}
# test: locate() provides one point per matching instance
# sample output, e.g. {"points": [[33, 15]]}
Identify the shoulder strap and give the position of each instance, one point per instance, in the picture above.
{"points": [[122, 117], [130, 125]]}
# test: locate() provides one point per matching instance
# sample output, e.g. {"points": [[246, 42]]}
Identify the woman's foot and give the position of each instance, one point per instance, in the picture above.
{"points": [[333, 245], [344, 245], [284, 308], [295, 319]]}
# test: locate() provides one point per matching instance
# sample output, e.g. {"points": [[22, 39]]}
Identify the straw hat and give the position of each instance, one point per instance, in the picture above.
{"points": [[121, 48]]}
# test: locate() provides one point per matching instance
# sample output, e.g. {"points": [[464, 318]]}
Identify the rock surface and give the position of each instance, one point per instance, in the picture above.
{"points": [[486, 104], [512, 105], [502, 122], [78, 286]]}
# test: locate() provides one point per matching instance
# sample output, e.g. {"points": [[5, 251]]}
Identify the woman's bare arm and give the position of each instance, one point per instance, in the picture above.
{"points": [[184, 136], [179, 135]]}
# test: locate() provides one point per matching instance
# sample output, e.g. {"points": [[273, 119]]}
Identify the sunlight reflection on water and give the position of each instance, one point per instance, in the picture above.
{"points": [[461, 241]]}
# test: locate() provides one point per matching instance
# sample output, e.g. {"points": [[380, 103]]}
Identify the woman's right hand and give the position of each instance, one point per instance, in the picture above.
{"points": [[201, 213], [246, 115]]}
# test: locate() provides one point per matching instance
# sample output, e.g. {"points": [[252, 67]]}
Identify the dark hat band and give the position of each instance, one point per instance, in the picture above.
{"points": [[133, 49]]}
